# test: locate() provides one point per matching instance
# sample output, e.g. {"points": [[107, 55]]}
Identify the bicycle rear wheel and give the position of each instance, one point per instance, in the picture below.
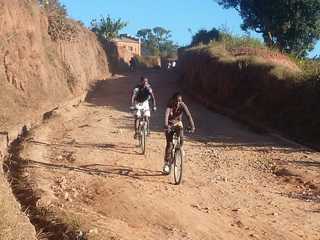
{"points": [[177, 166]]}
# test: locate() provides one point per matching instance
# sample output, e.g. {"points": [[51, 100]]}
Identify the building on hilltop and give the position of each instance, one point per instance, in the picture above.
{"points": [[127, 47]]}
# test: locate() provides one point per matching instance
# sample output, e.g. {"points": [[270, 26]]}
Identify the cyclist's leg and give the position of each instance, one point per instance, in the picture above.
{"points": [[136, 122], [147, 115], [148, 125], [169, 146], [168, 152], [179, 131], [136, 126]]}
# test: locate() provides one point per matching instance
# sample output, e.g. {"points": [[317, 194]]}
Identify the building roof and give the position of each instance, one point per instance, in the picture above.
{"points": [[126, 38]]}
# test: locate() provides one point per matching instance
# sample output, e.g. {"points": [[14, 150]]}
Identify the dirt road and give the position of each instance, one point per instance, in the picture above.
{"points": [[84, 166]]}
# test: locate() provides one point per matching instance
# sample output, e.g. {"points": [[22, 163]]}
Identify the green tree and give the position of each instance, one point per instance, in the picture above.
{"points": [[291, 25], [204, 36], [107, 28], [156, 42], [150, 45], [145, 34]]}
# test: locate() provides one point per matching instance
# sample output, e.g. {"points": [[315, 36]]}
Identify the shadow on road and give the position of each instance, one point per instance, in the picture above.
{"points": [[97, 169], [124, 149], [211, 127], [308, 163]]}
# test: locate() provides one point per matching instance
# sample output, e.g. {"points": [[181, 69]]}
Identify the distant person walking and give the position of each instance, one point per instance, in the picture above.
{"points": [[133, 64]]}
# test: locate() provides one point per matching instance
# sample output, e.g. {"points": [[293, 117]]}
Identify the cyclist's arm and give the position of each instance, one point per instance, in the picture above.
{"points": [[133, 96], [166, 117], [153, 99], [187, 112]]}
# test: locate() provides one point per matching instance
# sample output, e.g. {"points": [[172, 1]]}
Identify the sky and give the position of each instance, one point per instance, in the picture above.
{"points": [[175, 15]]}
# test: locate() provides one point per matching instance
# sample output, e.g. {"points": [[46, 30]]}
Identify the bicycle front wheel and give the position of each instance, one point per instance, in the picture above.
{"points": [[139, 136], [143, 140], [177, 166]]}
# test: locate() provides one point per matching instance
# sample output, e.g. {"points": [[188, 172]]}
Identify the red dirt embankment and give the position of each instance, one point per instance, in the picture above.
{"points": [[37, 73], [261, 86]]}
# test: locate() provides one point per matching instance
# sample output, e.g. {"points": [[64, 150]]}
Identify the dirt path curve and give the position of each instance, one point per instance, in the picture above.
{"points": [[86, 168]]}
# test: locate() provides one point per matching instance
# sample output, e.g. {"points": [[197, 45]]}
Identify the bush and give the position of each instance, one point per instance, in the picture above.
{"points": [[60, 28], [107, 28], [144, 62], [204, 37], [233, 41], [225, 37], [53, 8]]}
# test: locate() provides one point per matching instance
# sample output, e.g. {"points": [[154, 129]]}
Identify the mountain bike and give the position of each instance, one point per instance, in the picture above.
{"points": [[143, 131], [143, 128], [177, 155]]}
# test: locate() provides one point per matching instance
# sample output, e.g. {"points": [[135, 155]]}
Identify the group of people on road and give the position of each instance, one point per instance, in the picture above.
{"points": [[133, 64], [175, 109], [171, 64]]}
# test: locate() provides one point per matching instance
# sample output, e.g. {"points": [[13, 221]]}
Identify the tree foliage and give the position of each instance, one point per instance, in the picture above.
{"points": [[205, 36], [54, 7], [291, 25], [156, 42], [107, 28], [227, 38]]}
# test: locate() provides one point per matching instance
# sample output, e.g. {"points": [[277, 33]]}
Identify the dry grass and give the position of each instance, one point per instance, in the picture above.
{"points": [[279, 65], [145, 62]]}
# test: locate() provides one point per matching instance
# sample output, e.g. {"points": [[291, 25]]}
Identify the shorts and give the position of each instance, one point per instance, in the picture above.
{"points": [[142, 109], [177, 124]]}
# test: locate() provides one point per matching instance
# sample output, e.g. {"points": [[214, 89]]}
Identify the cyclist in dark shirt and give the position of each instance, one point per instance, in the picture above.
{"points": [[141, 95], [173, 123]]}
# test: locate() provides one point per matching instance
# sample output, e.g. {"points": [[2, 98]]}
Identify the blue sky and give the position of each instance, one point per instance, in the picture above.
{"points": [[175, 15]]}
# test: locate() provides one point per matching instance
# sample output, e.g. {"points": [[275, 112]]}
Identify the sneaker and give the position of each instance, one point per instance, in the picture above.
{"points": [[166, 168], [135, 136]]}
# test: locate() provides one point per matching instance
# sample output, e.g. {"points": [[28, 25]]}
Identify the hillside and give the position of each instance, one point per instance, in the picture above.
{"points": [[256, 85], [39, 70]]}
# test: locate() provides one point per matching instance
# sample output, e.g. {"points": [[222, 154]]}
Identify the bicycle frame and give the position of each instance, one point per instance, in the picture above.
{"points": [[143, 119], [142, 131], [142, 123], [176, 143], [177, 157]]}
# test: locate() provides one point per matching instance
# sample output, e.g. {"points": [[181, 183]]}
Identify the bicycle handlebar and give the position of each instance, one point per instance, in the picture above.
{"points": [[188, 130]]}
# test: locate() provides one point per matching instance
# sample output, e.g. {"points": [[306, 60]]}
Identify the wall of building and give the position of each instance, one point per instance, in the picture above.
{"points": [[128, 49]]}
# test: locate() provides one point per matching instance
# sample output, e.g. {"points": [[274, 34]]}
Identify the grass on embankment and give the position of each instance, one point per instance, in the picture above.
{"points": [[256, 82]]}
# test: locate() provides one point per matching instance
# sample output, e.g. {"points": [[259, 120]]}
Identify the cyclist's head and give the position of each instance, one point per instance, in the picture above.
{"points": [[176, 98], [143, 81]]}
